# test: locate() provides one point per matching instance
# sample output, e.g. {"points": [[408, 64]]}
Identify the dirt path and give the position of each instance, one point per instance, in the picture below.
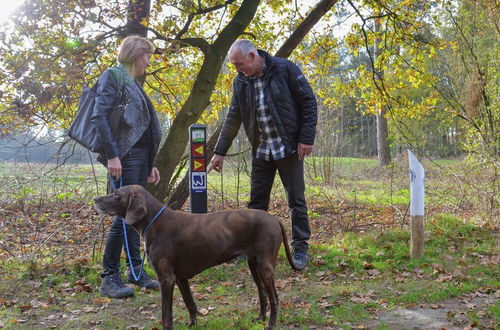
{"points": [[454, 314]]}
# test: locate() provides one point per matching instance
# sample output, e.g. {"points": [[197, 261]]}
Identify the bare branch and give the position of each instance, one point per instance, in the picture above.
{"points": [[304, 27]]}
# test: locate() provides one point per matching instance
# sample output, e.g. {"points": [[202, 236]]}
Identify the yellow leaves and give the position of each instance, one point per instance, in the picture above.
{"points": [[413, 78], [354, 42], [321, 93], [432, 52]]}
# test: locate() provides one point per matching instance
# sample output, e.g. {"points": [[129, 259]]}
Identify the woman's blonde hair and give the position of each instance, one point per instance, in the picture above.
{"points": [[132, 47]]}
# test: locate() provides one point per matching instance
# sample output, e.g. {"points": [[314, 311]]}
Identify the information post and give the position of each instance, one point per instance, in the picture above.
{"points": [[198, 168], [417, 197]]}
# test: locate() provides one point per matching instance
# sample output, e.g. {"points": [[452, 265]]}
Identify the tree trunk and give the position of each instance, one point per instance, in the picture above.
{"points": [[138, 11], [383, 151]]}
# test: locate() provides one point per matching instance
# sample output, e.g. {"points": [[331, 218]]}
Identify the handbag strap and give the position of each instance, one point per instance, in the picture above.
{"points": [[121, 76], [118, 75]]}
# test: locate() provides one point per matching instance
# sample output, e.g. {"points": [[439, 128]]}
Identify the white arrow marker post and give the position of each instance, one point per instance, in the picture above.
{"points": [[417, 195]]}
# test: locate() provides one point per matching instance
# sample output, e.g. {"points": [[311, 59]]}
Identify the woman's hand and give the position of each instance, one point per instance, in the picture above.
{"points": [[115, 167], [154, 177]]}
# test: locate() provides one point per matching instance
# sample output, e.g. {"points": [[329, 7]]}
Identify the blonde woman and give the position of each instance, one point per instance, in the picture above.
{"points": [[128, 155]]}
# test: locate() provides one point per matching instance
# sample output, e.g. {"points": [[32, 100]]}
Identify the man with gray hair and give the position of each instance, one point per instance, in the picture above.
{"points": [[277, 107]]}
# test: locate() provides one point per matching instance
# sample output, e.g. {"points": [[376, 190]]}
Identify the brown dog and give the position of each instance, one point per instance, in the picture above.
{"points": [[180, 245]]}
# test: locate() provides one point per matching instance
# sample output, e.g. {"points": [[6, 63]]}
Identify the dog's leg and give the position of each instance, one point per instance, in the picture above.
{"points": [[188, 300], [252, 264], [167, 290], [266, 272]]}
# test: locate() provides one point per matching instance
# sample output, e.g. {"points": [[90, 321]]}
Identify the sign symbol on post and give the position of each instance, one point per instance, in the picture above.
{"points": [[198, 150], [412, 175], [199, 164], [198, 135], [198, 182]]}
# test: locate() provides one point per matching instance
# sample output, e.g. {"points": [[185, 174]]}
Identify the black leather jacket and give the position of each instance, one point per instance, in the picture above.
{"points": [[142, 110], [289, 97]]}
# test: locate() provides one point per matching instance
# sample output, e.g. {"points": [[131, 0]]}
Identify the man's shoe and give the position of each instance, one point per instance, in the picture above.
{"points": [[113, 287], [144, 281], [299, 257]]}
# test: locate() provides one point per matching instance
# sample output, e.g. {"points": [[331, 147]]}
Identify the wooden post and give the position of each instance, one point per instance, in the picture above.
{"points": [[417, 196], [417, 236]]}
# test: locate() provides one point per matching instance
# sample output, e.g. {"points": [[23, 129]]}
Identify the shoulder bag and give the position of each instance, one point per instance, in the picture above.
{"points": [[82, 130]]}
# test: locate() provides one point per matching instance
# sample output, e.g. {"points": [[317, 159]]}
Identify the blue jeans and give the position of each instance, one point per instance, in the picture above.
{"points": [[291, 172], [135, 170]]}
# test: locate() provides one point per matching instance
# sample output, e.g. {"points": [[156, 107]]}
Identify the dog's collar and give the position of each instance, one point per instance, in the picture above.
{"points": [[153, 220]]}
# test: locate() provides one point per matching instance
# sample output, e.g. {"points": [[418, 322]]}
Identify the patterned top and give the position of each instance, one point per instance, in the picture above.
{"points": [[142, 126], [270, 141]]}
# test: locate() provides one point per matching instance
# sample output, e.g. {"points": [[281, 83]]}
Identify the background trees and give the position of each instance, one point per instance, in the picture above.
{"points": [[429, 68]]}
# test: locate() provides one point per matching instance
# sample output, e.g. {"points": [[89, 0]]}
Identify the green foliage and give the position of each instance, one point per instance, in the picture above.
{"points": [[495, 309], [74, 42], [432, 71], [24, 192]]}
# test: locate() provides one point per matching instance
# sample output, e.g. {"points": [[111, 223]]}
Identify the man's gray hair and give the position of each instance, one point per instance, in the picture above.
{"points": [[244, 45]]}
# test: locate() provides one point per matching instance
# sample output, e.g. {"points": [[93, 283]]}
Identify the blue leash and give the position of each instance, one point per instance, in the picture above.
{"points": [[136, 278], [113, 183]]}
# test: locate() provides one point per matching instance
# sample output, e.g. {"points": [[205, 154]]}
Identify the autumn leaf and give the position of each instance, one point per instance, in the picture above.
{"points": [[89, 309], [25, 308], [282, 284], [444, 278], [367, 265], [101, 300]]}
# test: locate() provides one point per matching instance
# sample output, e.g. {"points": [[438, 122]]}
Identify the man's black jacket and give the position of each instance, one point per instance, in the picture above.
{"points": [[289, 97]]}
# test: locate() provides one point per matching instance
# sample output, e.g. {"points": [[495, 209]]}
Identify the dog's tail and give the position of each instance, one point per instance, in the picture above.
{"points": [[287, 247]]}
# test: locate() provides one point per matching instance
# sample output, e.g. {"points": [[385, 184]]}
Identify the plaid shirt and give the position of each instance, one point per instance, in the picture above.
{"points": [[270, 141]]}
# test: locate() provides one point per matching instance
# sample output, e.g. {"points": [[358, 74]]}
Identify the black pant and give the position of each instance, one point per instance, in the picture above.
{"points": [[135, 168], [291, 171]]}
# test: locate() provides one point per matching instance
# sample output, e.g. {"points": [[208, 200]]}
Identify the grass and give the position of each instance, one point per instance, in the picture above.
{"points": [[336, 290], [354, 181], [359, 264]]}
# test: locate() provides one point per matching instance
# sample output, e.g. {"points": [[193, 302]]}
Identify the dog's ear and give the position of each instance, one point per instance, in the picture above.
{"points": [[136, 208]]}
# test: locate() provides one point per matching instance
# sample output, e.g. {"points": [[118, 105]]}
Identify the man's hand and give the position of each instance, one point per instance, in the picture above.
{"points": [[115, 167], [216, 163], [304, 150], [154, 177]]}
